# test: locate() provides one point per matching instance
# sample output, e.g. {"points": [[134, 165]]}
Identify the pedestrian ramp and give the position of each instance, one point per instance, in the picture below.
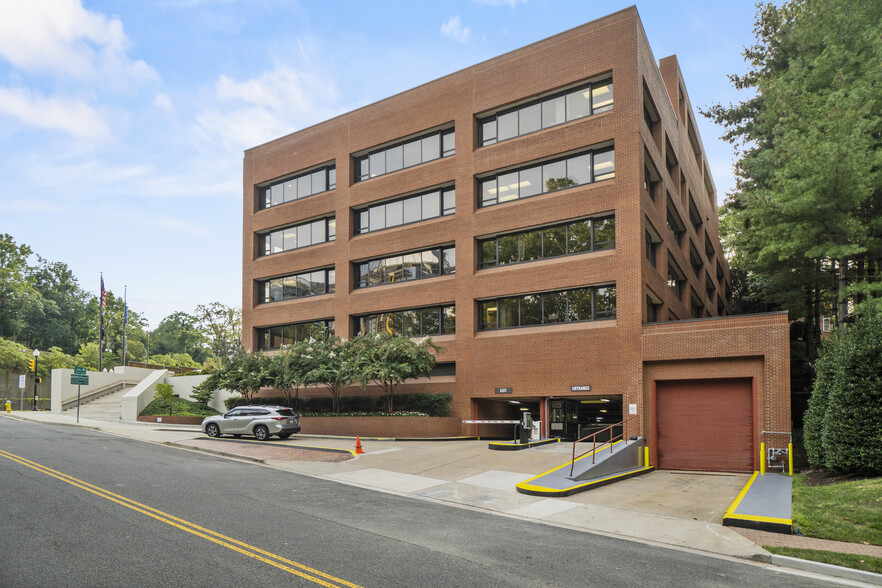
{"points": [[763, 504], [620, 460]]}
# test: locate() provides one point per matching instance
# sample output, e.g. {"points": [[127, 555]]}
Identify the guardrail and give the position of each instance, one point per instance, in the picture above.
{"points": [[98, 393], [612, 439]]}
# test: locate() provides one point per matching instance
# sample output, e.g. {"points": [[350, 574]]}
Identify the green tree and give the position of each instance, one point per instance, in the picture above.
{"points": [[245, 373], [179, 332], [222, 327], [175, 360], [844, 429], [389, 360], [286, 370], [18, 297], [164, 393], [62, 320], [805, 212], [328, 361]]}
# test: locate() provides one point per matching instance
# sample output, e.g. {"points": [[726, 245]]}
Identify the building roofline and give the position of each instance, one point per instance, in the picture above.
{"points": [[632, 8]]}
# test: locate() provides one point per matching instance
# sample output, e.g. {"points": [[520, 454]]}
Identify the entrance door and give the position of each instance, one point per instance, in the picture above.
{"points": [[705, 425]]}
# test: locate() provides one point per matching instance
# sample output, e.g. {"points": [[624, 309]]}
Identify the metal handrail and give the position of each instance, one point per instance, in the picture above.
{"points": [[612, 440]]}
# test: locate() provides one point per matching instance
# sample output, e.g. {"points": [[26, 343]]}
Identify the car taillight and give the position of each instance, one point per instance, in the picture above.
{"points": [[279, 418]]}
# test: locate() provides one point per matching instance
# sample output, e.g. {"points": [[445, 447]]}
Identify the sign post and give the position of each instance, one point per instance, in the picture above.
{"points": [[21, 386], [79, 378]]}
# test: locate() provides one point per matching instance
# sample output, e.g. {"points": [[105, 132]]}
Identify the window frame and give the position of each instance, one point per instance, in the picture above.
{"points": [[359, 284], [484, 326], [265, 238], [442, 191], [264, 200], [481, 242], [592, 153], [588, 87], [264, 284], [441, 134]]}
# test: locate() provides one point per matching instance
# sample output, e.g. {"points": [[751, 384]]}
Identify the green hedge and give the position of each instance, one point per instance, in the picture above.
{"points": [[843, 426], [179, 407], [430, 404]]}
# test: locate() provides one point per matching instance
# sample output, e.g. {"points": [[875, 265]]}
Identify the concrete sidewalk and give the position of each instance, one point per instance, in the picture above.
{"points": [[675, 509]]}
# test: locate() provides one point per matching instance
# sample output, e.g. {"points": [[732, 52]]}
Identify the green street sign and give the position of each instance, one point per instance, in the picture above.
{"points": [[80, 371], [76, 380]]}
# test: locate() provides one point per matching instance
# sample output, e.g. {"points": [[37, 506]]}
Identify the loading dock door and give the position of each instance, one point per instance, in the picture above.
{"points": [[705, 425]]}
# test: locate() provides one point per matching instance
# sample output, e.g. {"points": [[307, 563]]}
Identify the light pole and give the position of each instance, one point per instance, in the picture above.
{"points": [[36, 358]]}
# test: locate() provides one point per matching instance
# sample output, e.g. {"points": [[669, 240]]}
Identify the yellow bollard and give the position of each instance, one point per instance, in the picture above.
{"points": [[762, 459], [790, 457], [8, 407], [645, 456]]}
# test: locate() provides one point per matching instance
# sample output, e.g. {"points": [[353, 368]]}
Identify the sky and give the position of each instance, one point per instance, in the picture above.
{"points": [[123, 123]]}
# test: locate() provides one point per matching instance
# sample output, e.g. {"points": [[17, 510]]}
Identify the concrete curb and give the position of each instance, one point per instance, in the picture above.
{"points": [[816, 567]]}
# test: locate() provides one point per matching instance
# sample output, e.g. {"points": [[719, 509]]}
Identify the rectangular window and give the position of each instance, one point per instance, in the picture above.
{"points": [[570, 238], [385, 160], [676, 278], [563, 306], [530, 180], [406, 210], [546, 112], [429, 263], [294, 286], [411, 322], [299, 186], [269, 338], [297, 236]]}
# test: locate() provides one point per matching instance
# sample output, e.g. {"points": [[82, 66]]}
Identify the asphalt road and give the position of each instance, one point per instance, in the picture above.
{"points": [[83, 508]]}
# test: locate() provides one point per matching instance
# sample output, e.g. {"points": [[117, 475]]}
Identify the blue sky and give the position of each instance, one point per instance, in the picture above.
{"points": [[122, 124]]}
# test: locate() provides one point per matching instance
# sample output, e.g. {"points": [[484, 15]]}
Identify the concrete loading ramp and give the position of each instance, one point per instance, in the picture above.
{"points": [[611, 463]]}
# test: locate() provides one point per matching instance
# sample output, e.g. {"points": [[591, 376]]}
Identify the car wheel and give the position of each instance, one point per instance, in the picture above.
{"points": [[284, 435], [212, 430], [261, 433]]}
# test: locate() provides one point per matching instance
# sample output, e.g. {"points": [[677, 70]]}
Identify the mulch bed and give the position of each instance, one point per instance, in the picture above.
{"points": [[825, 478]]}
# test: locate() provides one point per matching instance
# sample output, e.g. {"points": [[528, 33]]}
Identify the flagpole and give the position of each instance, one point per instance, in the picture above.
{"points": [[101, 328], [125, 320]]}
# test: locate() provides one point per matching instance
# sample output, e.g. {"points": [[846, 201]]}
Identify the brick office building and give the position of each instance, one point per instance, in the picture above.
{"points": [[549, 218]]}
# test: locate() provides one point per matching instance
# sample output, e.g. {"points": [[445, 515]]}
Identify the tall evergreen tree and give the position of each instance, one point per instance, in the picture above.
{"points": [[805, 219]]}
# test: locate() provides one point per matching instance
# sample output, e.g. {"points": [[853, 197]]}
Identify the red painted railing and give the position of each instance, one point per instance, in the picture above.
{"points": [[632, 423]]}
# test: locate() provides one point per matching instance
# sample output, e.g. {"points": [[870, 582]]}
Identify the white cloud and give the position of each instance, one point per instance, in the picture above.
{"points": [[62, 37], [453, 28], [496, 3], [163, 102], [71, 116], [271, 105]]}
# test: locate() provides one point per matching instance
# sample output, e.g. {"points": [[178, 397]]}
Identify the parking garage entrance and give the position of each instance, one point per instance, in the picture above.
{"points": [[568, 418]]}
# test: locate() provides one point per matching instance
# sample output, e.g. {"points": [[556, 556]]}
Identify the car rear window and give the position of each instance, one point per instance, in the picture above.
{"points": [[285, 412]]}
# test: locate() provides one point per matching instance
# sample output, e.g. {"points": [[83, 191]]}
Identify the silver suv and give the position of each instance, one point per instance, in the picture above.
{"points": [[260, 421]]}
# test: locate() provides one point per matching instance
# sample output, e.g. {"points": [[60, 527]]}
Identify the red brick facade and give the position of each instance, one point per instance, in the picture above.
{"points": [[614, 357]]}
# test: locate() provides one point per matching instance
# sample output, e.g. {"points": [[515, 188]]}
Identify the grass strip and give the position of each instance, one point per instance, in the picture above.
{"points": [[847, 511], [865, 563]]}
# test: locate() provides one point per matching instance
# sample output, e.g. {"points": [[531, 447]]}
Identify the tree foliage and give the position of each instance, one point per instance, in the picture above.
{"points": [[805, 215], [328, 361], [843, 429], [389, 360], [245, 373]]}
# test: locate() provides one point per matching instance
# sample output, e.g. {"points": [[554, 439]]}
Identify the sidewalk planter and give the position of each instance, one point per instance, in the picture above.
{"points": [[171, 420], [382, 426]]}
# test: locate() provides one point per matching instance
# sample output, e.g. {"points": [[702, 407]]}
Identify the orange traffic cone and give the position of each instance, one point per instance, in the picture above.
{"points": [[358, 449]]}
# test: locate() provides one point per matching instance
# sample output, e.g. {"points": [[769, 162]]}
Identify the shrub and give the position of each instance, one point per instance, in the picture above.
{"points": [[177, 407], [430, 404], [843, 426], [164, 394]]}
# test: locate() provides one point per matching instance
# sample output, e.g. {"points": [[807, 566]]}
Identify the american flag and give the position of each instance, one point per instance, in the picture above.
{"points": [[103, 294]]}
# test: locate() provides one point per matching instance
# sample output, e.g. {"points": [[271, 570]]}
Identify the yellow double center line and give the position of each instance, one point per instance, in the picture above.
{"points": [[266, 557]]}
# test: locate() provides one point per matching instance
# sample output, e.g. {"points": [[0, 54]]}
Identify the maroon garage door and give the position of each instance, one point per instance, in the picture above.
{"points": [[705, 425]]}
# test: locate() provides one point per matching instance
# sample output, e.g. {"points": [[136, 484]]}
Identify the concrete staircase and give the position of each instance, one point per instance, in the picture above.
{"points": [[106, 408]]}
